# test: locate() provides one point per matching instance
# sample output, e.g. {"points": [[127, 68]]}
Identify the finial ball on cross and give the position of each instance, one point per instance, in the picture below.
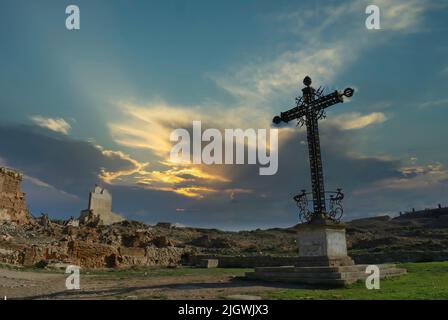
{"points": [[307, 81]]}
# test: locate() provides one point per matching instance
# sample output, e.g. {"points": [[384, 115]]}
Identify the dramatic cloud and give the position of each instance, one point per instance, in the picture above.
{"points": [[53, 124], [258, 83], [321, 53], [415, 177], [55, 160], [149, 127], [435, 103], [109, 176], [355, 120]]}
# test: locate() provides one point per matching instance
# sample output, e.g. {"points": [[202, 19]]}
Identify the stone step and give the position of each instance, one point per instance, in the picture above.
{"points": [[334, 275], [277, 278], [336, 278], [274, 269], [330, 275], [293, 269], [383, 274], [393, 272]]}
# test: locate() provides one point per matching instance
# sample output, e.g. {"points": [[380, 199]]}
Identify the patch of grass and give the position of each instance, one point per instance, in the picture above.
{"points": [[29, 268], [137, 272], [423, 281], [164, 272]]}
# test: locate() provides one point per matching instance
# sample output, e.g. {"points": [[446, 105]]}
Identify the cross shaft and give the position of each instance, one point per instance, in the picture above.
{"points": [[310, 108]]}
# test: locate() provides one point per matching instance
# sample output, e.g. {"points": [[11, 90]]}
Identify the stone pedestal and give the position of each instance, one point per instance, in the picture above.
{"points": [[322, 260], [322, 245]]}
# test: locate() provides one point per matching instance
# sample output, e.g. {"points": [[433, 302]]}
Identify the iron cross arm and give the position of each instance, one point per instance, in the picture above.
{"points": [[315, 106]]}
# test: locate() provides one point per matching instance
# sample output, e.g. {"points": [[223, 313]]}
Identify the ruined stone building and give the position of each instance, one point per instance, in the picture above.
{"points": [[12, 199], [99, 210]]}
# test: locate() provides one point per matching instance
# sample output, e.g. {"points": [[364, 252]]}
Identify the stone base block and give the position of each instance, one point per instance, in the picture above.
{"points": [[208, 263], [327, 275], [322, 245], [322, 240]]}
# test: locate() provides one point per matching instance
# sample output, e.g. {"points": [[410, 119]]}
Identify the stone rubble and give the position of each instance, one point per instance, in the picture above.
{"points": [[111, 246]]}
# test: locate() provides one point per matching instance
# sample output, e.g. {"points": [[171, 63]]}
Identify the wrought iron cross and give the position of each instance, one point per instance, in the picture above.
{"points": [[310, 108]]}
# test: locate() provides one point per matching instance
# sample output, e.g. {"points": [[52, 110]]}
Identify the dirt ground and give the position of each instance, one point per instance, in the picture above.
{"points": [[15, 284]]}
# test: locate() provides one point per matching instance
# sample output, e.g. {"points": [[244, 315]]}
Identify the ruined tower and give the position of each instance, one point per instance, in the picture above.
{"points": [[100, 208], [12, 199]]}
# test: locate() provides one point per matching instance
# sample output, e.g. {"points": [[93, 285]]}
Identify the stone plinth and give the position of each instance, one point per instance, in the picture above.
{"points": [[322, 245], [208, 263], [323, 259]]}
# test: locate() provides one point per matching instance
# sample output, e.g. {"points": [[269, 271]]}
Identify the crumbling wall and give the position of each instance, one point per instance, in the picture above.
{"points": [[12, 199]]}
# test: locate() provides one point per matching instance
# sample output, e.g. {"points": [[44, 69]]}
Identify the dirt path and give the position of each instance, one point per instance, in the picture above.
{"points": [[21, 284], [39, 285]]}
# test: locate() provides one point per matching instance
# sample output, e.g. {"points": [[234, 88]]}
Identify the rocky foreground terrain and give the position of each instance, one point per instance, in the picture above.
{"points": [[42, 242]]}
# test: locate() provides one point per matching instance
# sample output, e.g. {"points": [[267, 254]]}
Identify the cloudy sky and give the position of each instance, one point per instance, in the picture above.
{"points": [[97, 105]]}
